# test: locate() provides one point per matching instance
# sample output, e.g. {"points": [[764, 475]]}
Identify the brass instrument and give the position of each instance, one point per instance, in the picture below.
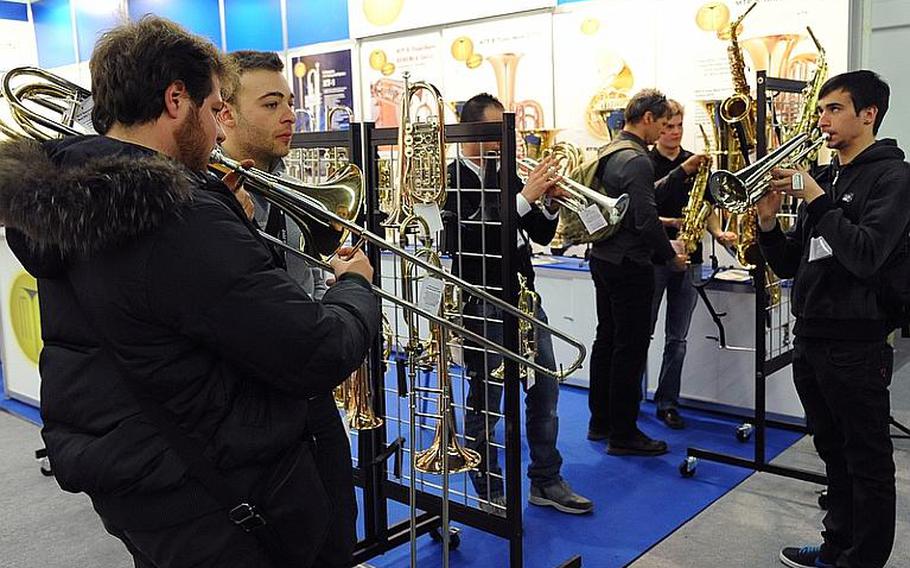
{"points": [[421, 169], [807, 121], [355, 394], [739, 191], [48, 106], [537, 140], [580, 201], [738, 110], [528, 302], [528, 113], [338, 109], [328, 218], [312, 100], [697, 210]]}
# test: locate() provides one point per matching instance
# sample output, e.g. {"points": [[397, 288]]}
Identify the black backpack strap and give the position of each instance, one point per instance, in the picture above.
{"points": [[604, 154], [240, 511]]}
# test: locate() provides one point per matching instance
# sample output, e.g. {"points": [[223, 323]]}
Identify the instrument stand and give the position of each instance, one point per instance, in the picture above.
{"points": [[900, 427], [767, 362]]}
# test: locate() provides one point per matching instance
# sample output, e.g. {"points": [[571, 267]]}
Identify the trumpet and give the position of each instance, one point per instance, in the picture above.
{"points": [[739, 191]]}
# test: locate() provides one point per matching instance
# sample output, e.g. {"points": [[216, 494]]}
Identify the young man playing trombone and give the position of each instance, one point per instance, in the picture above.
{"points": [[475, 170], [848, 225]]}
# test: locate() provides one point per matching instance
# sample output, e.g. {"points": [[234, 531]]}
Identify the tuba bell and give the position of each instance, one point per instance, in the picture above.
{"points": [[528, 113]]}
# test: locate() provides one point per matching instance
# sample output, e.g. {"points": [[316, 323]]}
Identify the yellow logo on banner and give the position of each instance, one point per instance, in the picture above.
{"points": [[25, 316]]}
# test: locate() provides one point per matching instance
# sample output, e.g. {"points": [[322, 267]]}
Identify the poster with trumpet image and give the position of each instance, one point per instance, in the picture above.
{"points": [[600, 61], [511, 60], [322, 81], [382, 63]]}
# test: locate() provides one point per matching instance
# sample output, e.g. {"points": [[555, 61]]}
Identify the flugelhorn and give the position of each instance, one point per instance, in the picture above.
{"points": [[739, 191]]}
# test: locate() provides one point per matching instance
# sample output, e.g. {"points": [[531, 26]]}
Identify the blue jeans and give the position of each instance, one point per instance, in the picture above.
{"points": [[681, 299], [541, 420]]}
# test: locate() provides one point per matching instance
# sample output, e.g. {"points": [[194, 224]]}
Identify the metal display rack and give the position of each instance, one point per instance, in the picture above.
{"points": [[773, 331], [375, 151]]}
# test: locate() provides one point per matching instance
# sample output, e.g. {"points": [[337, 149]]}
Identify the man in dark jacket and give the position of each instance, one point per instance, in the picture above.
{"points": [[623, 275], [154, 284], [848, 224], [474, 238]]}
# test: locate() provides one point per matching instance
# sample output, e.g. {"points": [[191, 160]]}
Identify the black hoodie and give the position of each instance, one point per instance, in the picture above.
{"points": [[863, 215], [193, 305]]}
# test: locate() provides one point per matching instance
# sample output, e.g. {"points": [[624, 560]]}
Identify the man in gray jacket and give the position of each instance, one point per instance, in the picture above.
{"points": [[623, 275]]}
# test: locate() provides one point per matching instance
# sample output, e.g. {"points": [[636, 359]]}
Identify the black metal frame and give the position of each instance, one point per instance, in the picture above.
{"points": [[764, 368], [371, 473]]}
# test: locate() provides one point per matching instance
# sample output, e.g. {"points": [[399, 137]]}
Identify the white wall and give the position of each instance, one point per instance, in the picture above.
{"points": [[887, 49]]}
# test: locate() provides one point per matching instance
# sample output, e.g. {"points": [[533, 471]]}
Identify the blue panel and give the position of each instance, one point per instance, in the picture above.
{"points": [[53, 33], [13, 11], [92, 22], [314, 22], [199, 16], [253, 24]]}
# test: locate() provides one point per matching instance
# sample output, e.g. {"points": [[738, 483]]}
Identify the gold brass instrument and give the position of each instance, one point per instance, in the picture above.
{"points": [[421, 172], [738, 110], [537, 140], [807, 121], [528, 302], [528, 113], [432, 353], [355, 394], [328, 216], [739, 191], [65, 106], [338, 109], [697, 210]]}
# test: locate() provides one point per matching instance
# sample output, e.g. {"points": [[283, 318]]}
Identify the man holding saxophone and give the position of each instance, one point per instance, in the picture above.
{"points": [[476, 169], [675, 167], [847, 228]]}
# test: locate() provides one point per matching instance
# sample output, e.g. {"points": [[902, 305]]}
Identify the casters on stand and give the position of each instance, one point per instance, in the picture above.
{"points": [[454, 537], [744, 432], [687, 467]]}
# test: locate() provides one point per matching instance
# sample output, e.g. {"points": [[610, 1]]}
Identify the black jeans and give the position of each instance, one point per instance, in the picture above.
{"points": [[681, 299], [843, 386], [624, 295]]}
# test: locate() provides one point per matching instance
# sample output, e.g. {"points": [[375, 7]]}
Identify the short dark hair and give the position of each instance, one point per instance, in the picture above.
{"points": [[474, 108], [134, 64], [647, 100], [249, 60], [866, 89]]}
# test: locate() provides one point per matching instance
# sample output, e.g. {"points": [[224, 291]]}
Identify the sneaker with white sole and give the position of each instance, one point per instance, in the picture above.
{"points": [[805, 557]]}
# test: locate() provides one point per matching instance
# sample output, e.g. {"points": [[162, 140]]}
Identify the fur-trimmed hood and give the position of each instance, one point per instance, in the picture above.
{"points": [[83, 195]]}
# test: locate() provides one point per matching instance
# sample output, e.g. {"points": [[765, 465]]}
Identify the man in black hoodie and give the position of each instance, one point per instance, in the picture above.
{"points": [[158, 293], [850, 221]]}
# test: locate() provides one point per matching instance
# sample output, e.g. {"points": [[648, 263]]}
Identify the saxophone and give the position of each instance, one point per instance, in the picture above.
{"points": [[738, 110], [697, 210]]}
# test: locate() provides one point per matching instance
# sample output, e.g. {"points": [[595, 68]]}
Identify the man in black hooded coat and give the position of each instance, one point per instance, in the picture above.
{"points": [[152, 280]]}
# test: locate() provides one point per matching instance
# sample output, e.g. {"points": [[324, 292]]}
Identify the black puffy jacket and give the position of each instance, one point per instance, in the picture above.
{"points": [[862, 216], [193, 305]]}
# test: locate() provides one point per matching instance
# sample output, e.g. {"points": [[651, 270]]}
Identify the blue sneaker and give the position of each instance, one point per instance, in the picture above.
{"points": [[805, 557]]}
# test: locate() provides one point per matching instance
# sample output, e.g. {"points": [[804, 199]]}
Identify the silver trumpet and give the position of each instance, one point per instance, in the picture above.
{"points": [[738, 191]]}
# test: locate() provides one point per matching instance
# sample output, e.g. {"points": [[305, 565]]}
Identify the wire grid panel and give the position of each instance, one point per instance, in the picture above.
{"points": [[470, 247]]}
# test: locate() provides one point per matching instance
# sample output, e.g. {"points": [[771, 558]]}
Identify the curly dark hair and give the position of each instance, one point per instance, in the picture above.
{"points": [[249, 60], [134, 64]]}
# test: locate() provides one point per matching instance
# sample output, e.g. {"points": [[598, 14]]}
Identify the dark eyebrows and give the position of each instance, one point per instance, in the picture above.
{"points": [[278, 94]]}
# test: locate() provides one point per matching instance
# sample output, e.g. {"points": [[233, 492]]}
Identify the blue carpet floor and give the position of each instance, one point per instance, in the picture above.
{"points": [[638, 501]]}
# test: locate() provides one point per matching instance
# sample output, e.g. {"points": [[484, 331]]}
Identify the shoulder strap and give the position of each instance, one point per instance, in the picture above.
{"points": [[190, 451]]}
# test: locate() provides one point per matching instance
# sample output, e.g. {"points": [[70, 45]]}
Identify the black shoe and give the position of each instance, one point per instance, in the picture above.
{"points": [[671, 418], [805, 557], [597, 435], [495, 506], [639, 445], [561, 497]]}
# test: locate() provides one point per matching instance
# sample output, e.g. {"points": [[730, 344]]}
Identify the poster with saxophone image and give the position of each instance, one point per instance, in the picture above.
{"points": [[509, 58], [322, 81], [382, 63], [772, 36], [374, 17], [600, 61]]}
